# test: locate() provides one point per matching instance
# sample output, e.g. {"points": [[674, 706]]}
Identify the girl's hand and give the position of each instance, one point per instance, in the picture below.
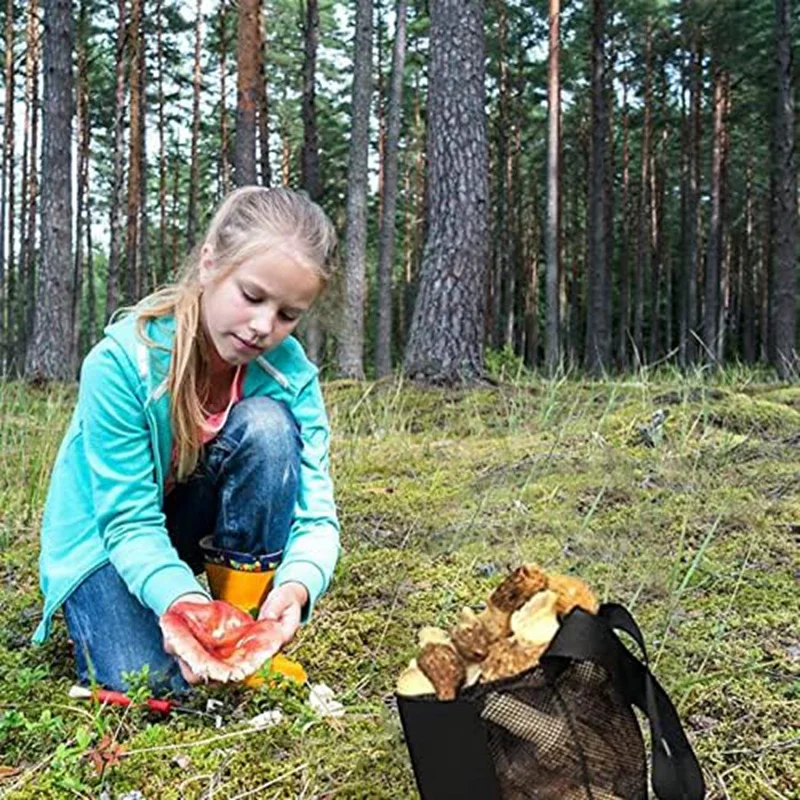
{"points": [[285, 605], [188, 674]]}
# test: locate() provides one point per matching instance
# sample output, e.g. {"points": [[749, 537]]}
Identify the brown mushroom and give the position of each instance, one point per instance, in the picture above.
{"points": [[470, 637], [536, 623], [413, 682], [495, 622], [444, 669], [572, 592], [518, 587], [508, 657]]}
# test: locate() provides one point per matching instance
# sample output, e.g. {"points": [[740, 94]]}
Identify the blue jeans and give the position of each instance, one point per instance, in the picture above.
{"points": [[242, 494]]}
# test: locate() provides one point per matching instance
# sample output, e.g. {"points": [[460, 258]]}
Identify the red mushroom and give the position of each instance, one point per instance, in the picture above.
{"points": [[218, 641]]}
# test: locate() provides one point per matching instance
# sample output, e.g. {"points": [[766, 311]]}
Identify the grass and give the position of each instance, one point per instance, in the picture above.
{"points": [[439, 493]]}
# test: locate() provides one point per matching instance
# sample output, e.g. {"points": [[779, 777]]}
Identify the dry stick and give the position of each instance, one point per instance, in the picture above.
{"points": [[212, 740], [28, 774], [261, 788]]}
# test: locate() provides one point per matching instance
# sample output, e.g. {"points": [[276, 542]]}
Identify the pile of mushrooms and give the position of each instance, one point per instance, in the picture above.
{"points": [[507, 637]]}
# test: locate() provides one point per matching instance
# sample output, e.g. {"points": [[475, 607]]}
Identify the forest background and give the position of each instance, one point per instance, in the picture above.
{"points": [[580, 219], [613, 185]]}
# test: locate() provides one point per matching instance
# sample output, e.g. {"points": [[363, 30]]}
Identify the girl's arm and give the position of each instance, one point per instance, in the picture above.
{"points": [[313, 546], [126, 494]]}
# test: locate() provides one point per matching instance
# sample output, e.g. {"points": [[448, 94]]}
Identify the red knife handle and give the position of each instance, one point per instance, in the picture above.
{"points": [[114, 698], [120, 699]]}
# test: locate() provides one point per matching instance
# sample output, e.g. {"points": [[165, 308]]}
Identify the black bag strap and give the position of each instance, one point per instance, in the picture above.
{"points": [[675, 774]]}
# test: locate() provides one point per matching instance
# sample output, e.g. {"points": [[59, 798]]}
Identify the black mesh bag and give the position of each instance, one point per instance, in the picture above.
{"points": [[564, 730]]}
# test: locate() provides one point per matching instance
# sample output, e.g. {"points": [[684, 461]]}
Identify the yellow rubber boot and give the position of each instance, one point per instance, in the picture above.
{"points": [[247, 589]]}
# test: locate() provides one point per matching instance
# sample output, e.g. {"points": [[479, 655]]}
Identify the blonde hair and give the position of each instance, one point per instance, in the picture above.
{"points": [[248, 220]]}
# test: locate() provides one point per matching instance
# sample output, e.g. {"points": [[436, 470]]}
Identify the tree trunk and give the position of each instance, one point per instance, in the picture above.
{"points": [[194, 157], [50, 356], [598, 324], [263, 101], [691, 266], [82, 193], [350, 354], [225, 165], [247, 59], [748, 273], [163, 271], [711, 303], [135, 177], [117, 189], [447, 332], [415, 219], [654, 293], [784, 258], [383, 352], [309, 159], [552, 236], [26, 300], [643, 248], [7, 202], [380, 99], [531, 240], [625, 255]]}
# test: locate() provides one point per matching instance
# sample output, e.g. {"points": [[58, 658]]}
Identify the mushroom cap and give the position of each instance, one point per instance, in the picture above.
{"points": [[444, 669], [518, 587], [470, 637], [412, 681], [508, 657], [573, 592], [536, 622], [495, 622], [218, 641]]}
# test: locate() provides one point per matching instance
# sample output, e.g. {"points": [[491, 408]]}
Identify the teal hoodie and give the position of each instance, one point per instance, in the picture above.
{"points": [[106, 495]]}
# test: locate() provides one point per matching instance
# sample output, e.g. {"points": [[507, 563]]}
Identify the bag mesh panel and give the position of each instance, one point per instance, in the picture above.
{"points": [[574, 739]]}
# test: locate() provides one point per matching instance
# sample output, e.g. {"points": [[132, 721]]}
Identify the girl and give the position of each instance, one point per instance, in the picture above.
{"points": [[199, 438]]}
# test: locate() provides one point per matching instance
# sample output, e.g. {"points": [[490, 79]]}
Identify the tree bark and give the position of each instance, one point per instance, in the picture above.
{"points": [[247, 59], [50, 356], [194, 157], [447, 332], [225, 165], [263, 100], [82, 193], [383, 351], [598, 325], [625, 254], [309, 156], [117, 188], [7, 277], [748, 273], [784, 209], [711, 305], [693, 212], [135, 177], [552, 234], [163, 271], [643, 247], [350, 355]]}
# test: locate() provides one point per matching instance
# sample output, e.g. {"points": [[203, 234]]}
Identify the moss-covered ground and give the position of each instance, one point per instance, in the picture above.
{"points": [[694, 525]]}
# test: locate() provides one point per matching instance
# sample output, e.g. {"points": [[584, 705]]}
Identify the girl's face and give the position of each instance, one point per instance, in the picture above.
{"points": [[255, 306]]}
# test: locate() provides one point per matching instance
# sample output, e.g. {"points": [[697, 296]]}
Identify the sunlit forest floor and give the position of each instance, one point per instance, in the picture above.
{"points": [[694, 525]]}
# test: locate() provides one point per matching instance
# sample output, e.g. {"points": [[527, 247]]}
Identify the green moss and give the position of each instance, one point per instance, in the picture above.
{"points": [[440, 492]]}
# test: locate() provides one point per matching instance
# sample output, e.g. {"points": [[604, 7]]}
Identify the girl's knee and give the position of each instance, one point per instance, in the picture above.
{"points": [[264, 423]]}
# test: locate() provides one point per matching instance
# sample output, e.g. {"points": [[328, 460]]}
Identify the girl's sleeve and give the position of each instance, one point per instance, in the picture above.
{"points": [[127, 498], [313, 546]]}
